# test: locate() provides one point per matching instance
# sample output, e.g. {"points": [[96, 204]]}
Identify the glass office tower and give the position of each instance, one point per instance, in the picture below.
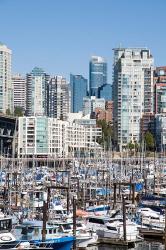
{"points": [[97, 74], [78, 86]]}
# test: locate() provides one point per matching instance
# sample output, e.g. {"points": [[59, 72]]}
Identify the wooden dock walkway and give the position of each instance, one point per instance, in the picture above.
{"points": [[119, 242], [152, 233]]}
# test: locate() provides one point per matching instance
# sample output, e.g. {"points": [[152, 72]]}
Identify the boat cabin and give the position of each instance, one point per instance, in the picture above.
{"points": [[30, 231], [5, 224], [67, 227]]}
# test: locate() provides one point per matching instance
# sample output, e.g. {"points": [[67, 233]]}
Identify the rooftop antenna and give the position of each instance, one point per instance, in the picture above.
{"points": [[120, 45]]}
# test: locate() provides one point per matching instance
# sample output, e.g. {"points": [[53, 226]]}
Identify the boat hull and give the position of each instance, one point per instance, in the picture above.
{"points": [[8, 245], [64, 243], [85, 242]]}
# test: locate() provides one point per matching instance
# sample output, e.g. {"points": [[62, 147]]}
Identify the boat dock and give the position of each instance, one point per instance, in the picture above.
{"points": [[152, 233], [119, 242]]}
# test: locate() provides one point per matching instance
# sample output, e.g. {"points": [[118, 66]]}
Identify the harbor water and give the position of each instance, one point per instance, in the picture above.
{"points": [[145, 245]]}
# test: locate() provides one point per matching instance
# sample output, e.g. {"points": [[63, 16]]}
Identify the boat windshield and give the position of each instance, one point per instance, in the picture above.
{"points": [[96, 220], [112, 228], [6, 224], [67, 226], [79, 225], [59, 212]]}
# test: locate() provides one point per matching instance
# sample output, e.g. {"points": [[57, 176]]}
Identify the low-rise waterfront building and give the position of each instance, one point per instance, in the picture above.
{"points": [[50, 137]]}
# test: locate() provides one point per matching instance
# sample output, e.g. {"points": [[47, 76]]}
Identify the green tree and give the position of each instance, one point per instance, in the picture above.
{"points": [[130, 145], [8, 112], [136, 146], [18, 111], [149, 140], [106, 133]]}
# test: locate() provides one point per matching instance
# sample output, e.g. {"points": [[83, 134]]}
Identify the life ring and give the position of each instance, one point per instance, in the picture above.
{"points": [[6, 238]]}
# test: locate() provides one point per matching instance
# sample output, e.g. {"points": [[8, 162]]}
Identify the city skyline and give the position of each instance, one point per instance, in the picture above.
{"points": [[61, 38]]}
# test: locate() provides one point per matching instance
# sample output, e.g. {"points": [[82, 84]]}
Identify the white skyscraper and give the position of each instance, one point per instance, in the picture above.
{"points": [[132, 92], [6, 91], [19, 87], [36, 93]]}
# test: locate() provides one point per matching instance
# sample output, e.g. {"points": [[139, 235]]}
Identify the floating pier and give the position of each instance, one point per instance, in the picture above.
{"points": [[152, 233], [119, 242]]}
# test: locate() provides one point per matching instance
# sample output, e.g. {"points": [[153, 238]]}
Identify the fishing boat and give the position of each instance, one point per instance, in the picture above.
{"points": [[31, 231], [31, 236]]}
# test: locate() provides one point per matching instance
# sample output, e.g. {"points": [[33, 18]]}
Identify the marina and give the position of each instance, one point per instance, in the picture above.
{"points": [[82, 125], [81, 203]]}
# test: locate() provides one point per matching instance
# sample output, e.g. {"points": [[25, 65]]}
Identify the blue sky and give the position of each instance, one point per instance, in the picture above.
{"points": [[61, 35]]}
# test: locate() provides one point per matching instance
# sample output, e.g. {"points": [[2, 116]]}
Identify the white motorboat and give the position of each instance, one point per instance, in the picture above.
{"points": [[84, 237], [114, 230], [97, 222], [151, 219]]}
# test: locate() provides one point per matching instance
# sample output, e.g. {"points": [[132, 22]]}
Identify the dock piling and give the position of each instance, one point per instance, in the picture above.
{"points": [[165, 230], [124, 218], [74, 222], [114, 205]]}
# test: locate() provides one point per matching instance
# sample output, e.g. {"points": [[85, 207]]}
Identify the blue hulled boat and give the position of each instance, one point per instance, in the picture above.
{"points": [[30, 232]]}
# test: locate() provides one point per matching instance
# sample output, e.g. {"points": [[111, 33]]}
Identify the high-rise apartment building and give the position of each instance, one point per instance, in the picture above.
{"points": [[58, 98], [97, 74], [160, 131], [160, 74], [78, 87], [19, 89], [36, 95], [132, 92], [6, 91], [160, 90]]}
